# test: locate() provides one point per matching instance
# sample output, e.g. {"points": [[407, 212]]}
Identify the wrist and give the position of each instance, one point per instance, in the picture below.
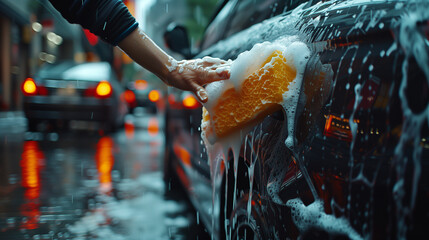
{"points": [[168, 70]]}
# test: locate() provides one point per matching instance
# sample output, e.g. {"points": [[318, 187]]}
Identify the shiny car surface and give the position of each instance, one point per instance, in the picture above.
{"points": [[359, 166], [69, 91]]}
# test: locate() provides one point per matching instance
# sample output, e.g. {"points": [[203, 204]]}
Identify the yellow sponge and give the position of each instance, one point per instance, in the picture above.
{"points": [[261, 94]]}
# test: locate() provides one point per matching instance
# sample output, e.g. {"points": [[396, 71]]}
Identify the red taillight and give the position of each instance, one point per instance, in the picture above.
{"points": [[30, 88], [154, 95], [190, 102], [171, 99], [103, 89], [130, 97]]}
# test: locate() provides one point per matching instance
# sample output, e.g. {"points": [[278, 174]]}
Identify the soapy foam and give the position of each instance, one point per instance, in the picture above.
{"points": [[314, 216], [206, 63], [286, 25], [247, 63]]}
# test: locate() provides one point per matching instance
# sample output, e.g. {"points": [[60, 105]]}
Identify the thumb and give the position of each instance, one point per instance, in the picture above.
{"points": [[201, 94]]}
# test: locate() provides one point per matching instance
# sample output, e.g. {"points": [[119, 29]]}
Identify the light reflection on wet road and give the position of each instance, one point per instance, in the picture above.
{"points": [[80, 185]]}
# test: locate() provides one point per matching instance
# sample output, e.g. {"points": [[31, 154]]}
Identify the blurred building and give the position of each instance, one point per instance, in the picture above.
{"points": [[14, 45], [32, 34]]}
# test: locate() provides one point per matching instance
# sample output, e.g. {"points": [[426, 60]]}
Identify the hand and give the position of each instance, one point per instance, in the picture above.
{"points": [[189, 75], [193, 75]]}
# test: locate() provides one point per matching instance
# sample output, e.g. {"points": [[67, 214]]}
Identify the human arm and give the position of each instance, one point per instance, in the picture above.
{"points": [[190, 75], [111, 20]]}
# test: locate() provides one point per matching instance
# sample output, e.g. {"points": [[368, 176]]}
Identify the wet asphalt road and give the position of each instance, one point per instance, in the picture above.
{"points": [[82, 184]]}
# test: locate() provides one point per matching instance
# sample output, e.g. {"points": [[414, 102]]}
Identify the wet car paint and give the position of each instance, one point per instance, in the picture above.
{"points": [[355, 174]]}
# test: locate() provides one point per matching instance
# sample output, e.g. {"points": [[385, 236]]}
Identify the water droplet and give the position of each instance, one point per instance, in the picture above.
{"points": [[348, 86]]}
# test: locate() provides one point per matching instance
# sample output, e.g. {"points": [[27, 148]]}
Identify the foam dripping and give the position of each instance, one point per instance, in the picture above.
{"points": [[314, 216], [297, 54]]}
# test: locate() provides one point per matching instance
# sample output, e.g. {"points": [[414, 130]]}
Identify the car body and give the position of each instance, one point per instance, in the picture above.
{"points": [[359, 166], [69, 91]]}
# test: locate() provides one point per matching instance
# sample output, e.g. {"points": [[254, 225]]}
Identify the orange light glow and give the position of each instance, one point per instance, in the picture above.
{"points": [[152, 127], [32, 160], [129, 130], [140, 84], [31, 212], [29, 87], [31, 163], [190, 102], [104, 159], [104, 89], [183, 154], [338, 128], [154, 95]]}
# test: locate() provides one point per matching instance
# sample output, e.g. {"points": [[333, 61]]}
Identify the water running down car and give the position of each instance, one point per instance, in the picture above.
{"points": [[359, 167]]}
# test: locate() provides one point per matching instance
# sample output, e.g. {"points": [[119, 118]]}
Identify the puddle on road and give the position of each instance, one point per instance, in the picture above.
{"points": [[85, 186], [149, 215]]}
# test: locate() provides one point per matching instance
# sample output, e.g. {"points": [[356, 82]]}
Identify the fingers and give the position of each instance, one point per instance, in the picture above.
{"points": [[224, 73], [200, 72], [201, 94], [208, 76]]}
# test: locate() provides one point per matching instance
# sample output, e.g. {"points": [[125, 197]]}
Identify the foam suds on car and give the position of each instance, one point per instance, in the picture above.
{"points": [[292, 52], [247, 63], [306, 217], [313, 215]]}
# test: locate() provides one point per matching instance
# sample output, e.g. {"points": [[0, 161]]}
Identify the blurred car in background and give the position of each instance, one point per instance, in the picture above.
{"points": [[359, 167], [68, 91], [140, 93]]}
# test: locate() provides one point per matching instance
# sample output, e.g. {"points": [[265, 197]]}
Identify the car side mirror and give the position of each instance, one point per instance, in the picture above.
{"points": [[176, 39]]}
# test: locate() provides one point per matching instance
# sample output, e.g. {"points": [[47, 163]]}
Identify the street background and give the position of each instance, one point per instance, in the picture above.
{"points": [[80, 182]]}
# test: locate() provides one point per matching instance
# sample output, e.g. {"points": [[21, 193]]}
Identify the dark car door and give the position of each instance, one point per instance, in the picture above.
{"points": [[354, 154]]}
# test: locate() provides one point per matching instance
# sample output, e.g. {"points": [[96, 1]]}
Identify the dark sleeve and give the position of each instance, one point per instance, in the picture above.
{"points": [[108, 19]]}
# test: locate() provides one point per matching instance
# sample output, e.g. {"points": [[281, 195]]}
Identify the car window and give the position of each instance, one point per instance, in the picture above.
{"points": [[238, 15], [249, 12], [90, 72], [216, 29]]}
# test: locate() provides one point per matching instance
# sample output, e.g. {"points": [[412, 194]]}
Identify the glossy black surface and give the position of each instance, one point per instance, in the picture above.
{"points": [[375, 178]]}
